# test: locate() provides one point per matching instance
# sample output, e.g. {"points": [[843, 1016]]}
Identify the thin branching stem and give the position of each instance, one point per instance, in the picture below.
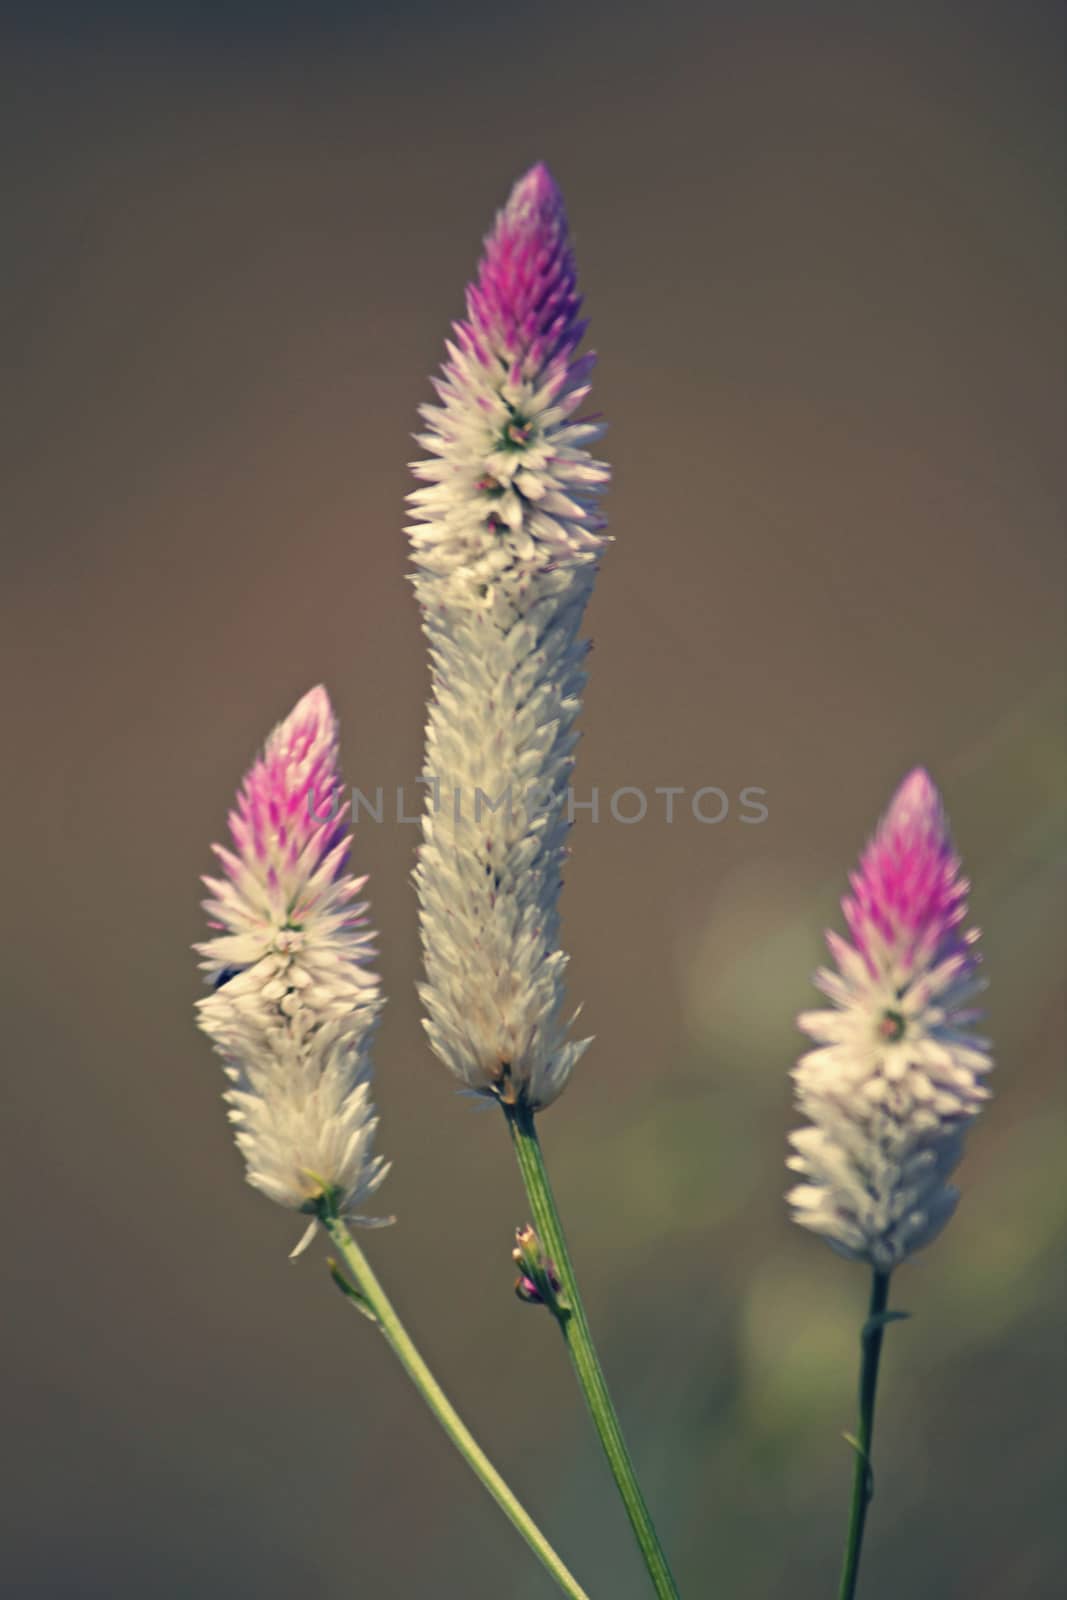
{"points": [[373, 1300]]}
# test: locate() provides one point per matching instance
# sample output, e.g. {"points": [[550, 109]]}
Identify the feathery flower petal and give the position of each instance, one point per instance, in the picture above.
{"points": [[294, 1004], [895, 1077], [505, 552]]}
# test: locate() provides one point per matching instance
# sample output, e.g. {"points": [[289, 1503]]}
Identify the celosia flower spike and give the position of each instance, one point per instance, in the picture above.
{"points": [[505, 553], [294, 1003], [895, 1077]]}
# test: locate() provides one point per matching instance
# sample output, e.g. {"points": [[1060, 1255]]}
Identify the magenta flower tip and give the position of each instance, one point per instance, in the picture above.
{"points": [[312, 711], [309, 725], [289, 812], [533, 196], [908, 896], [916, 805], [523, 307]]}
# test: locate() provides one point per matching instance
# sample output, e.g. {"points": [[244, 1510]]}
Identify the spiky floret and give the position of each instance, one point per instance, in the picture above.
{"points": [[294, 1003], [505, 553], [896, 1076]]}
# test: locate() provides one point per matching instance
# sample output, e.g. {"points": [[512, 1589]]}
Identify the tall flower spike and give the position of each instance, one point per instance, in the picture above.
{"points": [[294, 1004], [895, 1077], [505, 553]]}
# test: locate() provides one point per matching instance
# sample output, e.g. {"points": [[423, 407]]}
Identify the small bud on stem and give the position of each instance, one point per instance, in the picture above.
{"points": [[538, 1282]]}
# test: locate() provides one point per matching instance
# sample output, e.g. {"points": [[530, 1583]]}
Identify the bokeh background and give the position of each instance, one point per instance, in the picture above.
{"points": [[822, 250]]}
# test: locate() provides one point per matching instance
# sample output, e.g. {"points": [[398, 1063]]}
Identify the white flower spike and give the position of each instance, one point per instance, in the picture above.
{"points": [[505, 554], [294, 1004]]}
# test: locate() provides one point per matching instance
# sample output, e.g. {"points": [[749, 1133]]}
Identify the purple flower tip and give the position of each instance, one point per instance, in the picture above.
{"points": [[535, 193], [523, 308], [916, 803], [908, 896], [294, 788]]}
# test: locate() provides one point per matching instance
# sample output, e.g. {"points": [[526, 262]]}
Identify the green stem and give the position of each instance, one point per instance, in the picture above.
{"points": [[579, 1342], [400, 1342], [862, 1482]]}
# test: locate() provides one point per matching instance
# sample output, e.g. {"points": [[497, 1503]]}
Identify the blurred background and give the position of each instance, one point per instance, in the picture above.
{"points": [[822, 250]]}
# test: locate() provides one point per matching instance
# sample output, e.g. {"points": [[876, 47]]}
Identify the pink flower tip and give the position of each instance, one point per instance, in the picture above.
{"points": [[916, 804], [908, 896], [311, 719], [536, 191], [523, 308]]}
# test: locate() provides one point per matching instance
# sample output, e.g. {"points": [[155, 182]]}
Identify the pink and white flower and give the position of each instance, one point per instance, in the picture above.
{"points": [[294, 1003], [896, 1075], [505, 551]]}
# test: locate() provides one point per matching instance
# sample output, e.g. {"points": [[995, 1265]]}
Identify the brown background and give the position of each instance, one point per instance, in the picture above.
{"points": [[821, 249]]}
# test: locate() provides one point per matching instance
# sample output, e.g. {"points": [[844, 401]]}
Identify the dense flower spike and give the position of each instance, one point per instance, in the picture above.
{"points": [[294, 1003], [505, 554], [896, 1075]]}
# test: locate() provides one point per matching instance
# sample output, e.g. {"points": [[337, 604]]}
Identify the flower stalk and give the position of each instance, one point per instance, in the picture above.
{"points": [[574, 1325], [871, 1336], [373, 1301]]}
